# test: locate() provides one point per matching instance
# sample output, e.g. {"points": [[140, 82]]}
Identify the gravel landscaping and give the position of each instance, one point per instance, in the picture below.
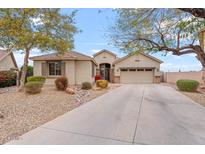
{"points": [[20, 112], [198, 97]]}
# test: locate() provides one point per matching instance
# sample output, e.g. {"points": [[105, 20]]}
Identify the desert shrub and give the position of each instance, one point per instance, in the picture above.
{"points": [[61, 83], [86, 85], [187, 85], [33, 87], [7, 78], [36, 78], [102, 83]]}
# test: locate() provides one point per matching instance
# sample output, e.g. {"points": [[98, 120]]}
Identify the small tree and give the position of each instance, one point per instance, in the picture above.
{"points": [[44, 29], [166, 30], [29, 72]]}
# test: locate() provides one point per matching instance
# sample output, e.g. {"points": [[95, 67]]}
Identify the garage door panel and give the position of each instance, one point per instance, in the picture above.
{"points": [[136, 77]]}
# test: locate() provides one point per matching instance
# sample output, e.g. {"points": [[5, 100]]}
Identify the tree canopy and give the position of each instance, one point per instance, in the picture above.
{"points": [[153, 30], [44, 29], [197, 12]]}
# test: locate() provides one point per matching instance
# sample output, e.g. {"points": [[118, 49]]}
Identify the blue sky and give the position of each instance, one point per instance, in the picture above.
{"points": [[94, 37]]}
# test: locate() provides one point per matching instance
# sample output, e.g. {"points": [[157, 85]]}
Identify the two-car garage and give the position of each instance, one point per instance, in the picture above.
{"points": [[137, 68], [136, 75]]}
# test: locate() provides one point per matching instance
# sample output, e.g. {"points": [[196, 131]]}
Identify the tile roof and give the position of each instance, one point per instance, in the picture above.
{"points": [[71, 55], [149, 56], [3, 53], [104, 50]]}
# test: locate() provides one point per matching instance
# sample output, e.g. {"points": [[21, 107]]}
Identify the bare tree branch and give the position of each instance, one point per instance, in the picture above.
{"points": [[161, 33], [184, 52], [176, 51], [197, 12], [178, 39]]}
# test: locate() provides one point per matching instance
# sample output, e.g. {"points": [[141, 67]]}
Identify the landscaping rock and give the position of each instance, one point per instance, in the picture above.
{"points": [[82, 96], [22, 113], [202, 87], [70, 91]]}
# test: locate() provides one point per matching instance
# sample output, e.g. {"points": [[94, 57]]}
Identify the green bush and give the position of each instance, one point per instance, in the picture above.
{"points": [[187, 85], [7, 78], [36, 78], [61, 83], [33, 87], [102, 83], [86, 85]]}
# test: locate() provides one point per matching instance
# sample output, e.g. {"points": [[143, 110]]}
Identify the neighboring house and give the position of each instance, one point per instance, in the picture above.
{"points": [[7, 61], [136, 68], [75, 66], [78, 68]]}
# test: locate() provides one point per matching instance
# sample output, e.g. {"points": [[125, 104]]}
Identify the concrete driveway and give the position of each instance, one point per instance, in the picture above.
{"points": [[130, 114]]}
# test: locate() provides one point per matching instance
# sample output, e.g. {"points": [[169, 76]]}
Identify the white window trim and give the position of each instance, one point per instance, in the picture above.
{"points": [[49, 69]]}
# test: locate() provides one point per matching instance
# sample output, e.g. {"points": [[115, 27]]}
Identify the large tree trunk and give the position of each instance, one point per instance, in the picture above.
{"points": [[201, 57], [197, 12], [24, 70]]}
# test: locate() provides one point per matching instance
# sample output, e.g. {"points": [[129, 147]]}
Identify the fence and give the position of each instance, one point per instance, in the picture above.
{"points": [[172, 77]]}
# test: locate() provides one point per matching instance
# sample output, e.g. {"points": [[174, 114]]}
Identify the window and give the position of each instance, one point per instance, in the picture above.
{"points": [[148, 69], [54, 68], [140, 69], [132, 70], [123, 70]]}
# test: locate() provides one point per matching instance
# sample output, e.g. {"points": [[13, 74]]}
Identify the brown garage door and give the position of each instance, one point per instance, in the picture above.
{"points": [[136, 75]]}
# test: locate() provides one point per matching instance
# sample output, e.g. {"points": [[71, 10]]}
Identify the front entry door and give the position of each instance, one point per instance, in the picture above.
{"points": [[105, 71], [107, 74]]}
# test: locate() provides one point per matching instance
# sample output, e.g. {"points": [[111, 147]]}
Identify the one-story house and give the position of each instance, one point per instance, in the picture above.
{"points": [[78, 68], [133, 68], [7, 61]]}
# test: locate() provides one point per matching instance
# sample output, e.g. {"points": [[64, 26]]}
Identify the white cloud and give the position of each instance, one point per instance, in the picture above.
{"points": [[191, 55], [20, 59], [177, 57], [37, 21], [169, 54], [95, 43], [95, 50], [19, 56], [182, 67]]}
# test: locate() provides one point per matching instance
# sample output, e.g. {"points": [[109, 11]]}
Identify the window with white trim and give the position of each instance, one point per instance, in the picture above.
{"points": [[54, 68]]}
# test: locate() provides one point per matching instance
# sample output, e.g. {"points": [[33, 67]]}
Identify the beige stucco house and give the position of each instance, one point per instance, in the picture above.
{"points": [[78, 68], [75, 66], [135, 68], [7, 61]]}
